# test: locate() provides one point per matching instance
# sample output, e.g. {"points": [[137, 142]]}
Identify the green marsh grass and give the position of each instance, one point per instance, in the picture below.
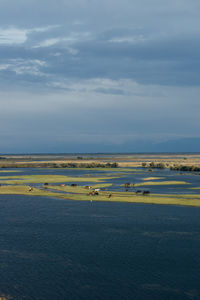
{"points": [[81, 194], [152, 178], [10, 171], [49, 178]]}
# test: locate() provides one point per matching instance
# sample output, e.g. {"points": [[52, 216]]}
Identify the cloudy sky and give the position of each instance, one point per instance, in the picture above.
{"points": [[95, 76]]}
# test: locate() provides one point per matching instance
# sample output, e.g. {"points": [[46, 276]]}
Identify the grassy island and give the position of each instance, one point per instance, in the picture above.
{"points": [[108, 176]]}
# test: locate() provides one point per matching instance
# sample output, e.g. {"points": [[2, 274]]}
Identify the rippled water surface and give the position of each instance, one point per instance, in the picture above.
{"points": [[58, 249]]}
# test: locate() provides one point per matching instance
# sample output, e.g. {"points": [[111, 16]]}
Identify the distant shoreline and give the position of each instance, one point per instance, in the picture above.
{"points": [[99, 160]]}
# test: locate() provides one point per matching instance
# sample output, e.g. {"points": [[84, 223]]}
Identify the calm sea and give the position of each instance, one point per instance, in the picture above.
{"points": [[58, 249]]}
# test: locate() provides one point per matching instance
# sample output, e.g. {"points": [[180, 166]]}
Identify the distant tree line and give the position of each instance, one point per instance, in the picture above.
{"points": [[154, 165], [59, 165], [175, 167], [185, 168]]}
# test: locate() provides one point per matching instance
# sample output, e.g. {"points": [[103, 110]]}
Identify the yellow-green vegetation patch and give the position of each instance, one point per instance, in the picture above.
{"points": [[48, 178], [153, 199], [80, 193], [78, 189], [24, 190], [68, 189], [184, 196], [10, 171], [101, 185], [153, 178]]}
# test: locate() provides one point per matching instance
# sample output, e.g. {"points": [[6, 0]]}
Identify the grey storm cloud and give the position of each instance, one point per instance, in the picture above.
{"points": [[171, 60], [148, 41], [117, 69]]}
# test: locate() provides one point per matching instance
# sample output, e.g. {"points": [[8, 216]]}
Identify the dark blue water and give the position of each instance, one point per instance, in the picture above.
{"points": [[58, 249]]}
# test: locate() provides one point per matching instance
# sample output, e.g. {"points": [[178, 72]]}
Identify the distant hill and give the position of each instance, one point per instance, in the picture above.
{"points": [[178, 145], [136, 146], [131, 146]]}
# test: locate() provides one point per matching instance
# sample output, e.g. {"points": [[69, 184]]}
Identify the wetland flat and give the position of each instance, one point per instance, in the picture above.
{"points": [[59, 242], [165, 186]]}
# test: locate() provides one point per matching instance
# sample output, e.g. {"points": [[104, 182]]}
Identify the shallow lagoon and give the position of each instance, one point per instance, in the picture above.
{"points": [[136, 176], [58, 249]]}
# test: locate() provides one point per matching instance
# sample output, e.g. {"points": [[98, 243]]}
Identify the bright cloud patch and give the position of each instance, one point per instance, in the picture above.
{"points": [[66, 40], [128, 39], [12, 36], [4, 67], [21, 66]]}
